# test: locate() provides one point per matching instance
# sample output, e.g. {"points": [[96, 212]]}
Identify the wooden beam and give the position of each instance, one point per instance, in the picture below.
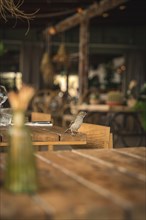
{"points": [[95, 9], [83, 57], [82, 19]]}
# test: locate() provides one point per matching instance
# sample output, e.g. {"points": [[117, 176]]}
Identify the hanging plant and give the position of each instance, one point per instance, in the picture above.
{"points": [[62, 57], [47, 70]]}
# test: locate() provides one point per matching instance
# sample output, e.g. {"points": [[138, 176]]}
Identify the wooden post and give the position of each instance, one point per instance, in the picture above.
{"points": [[95, 9], [66, 68], [83, 56]]}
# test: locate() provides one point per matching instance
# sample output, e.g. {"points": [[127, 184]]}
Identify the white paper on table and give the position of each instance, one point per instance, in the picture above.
{"points": [[39, 123]]}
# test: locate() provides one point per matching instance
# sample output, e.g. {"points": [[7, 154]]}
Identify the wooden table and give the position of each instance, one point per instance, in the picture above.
{"points": [[124, 121], [103, 108], [82, 184], [47, 135]]}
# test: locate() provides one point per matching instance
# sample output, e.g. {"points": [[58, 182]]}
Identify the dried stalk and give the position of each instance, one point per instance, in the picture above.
{"points": [[21, 99], [10, 7]]}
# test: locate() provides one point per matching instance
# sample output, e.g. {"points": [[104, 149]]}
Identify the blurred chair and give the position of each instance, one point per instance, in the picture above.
{"points": [[127, 129], [67, 116], [98, 136], [48, 101], [39, 116], [41, 101]]}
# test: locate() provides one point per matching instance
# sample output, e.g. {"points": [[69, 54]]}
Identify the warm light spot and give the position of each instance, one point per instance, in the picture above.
{"points": [[123, 67], [80, 10], [52, 30], [73, 83], [105, 15], [12, 79], [122, 7]]}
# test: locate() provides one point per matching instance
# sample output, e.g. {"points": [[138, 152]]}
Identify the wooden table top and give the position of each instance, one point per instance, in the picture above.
{"points": [[47, 135], [104, 108], [82, 184]]}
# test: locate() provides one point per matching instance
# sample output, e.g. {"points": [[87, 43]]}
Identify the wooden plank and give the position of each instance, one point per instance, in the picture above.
{"points": [[20, 207], [41, 135], [134, 151], [92, 11], [72, 138], [57, 198], [115, 187], [63, 194], [97, 136], [104, 108], [48, 143], [73, 185], [39, 116], [3, 144], [121, 162], [49, 136], [48, 130], [93, 108], [110, 146], [97, 175]]}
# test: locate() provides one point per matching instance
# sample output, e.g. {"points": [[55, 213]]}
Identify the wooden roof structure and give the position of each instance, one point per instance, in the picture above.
{"points": [[82, 18], [65, 14], [51, 12]]}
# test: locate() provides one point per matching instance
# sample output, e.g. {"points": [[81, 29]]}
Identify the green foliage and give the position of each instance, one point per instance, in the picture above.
{"points": [[2, 48], [115, 96], [141, 106]]}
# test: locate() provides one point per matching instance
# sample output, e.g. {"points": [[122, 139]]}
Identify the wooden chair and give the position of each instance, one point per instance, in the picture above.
{"points": [[39, 116], [97, 136], [41, 101]]}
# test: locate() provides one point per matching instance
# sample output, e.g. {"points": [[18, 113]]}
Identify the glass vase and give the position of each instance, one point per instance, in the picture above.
{"points": [[21, 172]]}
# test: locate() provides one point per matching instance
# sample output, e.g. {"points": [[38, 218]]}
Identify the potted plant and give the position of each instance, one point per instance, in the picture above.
{"points": [[140, 105], [114, 98]]}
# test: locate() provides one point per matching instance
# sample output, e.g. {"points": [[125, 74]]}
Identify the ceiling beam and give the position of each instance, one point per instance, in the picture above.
{"points": [[95, 9]]}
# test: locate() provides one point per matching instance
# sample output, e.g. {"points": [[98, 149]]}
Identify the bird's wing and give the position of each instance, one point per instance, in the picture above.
{"points": [[72, 121]]}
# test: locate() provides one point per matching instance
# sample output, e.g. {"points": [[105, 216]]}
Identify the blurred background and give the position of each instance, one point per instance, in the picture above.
{"points": [[72, 48]]}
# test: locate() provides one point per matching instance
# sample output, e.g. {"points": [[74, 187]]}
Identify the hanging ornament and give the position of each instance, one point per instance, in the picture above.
{"points": [[47, 70], [62, 57]]}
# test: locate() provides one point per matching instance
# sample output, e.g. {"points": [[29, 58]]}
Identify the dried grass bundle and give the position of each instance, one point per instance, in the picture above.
{"points": [[11, 7], [20, 100], [62, 56], [47, 69]]}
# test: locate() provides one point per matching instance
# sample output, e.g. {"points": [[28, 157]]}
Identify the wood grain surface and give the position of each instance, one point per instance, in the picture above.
{"points": [[53, 135], [91, 184], [98, 136]]}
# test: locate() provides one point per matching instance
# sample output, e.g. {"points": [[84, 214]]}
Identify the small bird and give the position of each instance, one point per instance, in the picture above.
{"points": [[76, 123]]}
